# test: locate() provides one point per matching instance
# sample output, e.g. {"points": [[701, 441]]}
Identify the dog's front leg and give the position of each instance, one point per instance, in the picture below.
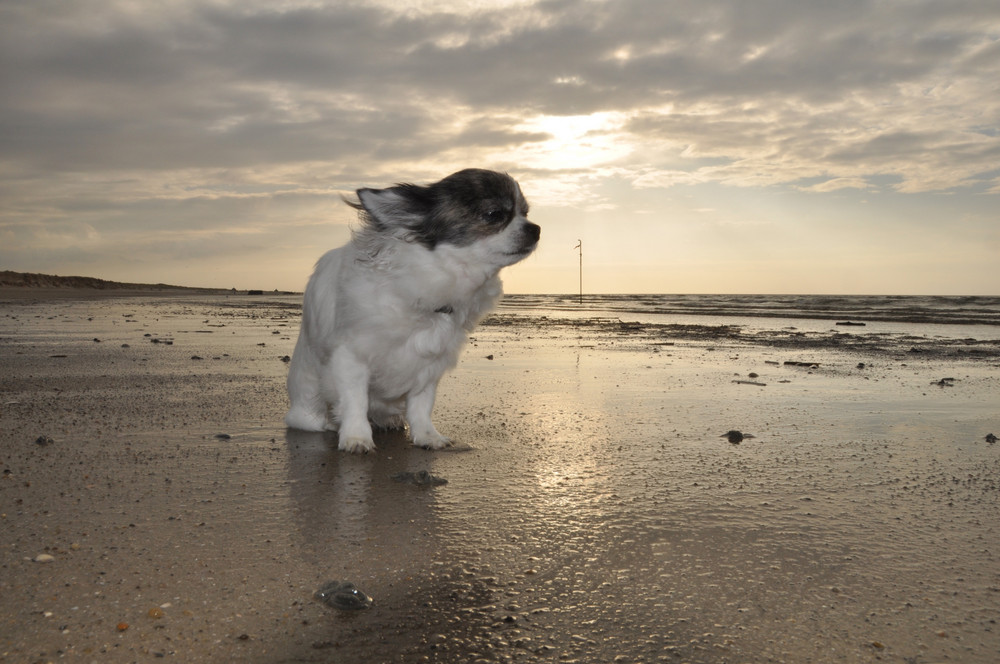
{"points": [[350, 376], [418, 413]]}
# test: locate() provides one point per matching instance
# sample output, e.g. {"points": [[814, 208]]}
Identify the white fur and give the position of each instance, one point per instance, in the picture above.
{"points": [[377, 334]]}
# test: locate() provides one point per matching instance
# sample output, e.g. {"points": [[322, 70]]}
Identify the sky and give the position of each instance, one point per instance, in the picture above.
{"points": [[691, 146]]}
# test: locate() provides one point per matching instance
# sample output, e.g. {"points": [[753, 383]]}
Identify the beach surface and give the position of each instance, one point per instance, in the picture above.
{"points": [[153, 506]]}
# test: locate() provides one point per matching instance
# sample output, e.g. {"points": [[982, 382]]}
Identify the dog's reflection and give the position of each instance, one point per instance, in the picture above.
{"points": [[350, 514]]}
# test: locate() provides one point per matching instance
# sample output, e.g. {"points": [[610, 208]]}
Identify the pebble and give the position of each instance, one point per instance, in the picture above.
{"points": [[736, 437], [343, 595], [44, 440], [43, 558], [420, 478]]}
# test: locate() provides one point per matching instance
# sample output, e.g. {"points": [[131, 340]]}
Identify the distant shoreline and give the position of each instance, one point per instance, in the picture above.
{"points": [[19, 293], [11, 279], [30, 285]]}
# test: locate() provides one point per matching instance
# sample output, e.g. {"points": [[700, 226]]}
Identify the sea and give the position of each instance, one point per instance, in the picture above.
{"points": [[947, 317]]}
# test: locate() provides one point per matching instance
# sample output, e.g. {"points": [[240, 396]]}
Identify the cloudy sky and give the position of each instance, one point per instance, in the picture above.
{"points": [[739, 146]]}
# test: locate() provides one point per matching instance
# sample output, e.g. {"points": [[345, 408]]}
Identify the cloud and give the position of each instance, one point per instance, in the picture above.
{"points": [[836, 184], [197, 111], [229, 84]]}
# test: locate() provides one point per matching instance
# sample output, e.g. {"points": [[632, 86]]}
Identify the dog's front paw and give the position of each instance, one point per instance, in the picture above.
{"points": [[356, 445], [305, 420], [431, 441]]}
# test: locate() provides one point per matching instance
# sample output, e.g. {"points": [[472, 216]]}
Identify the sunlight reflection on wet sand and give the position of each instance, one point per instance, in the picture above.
{"points": [[592, 510]]}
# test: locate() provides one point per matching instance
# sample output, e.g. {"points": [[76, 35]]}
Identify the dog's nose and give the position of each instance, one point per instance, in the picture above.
{"points": [[533, 231]]}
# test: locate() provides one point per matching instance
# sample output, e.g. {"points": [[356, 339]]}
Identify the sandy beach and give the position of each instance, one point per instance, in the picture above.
{"points": [[153, 506]]}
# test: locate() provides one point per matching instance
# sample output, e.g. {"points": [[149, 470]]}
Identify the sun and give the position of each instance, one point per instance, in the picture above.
{"points": [[575, 141]]}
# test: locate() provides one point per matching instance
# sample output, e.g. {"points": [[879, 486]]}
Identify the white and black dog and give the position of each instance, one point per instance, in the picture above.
{"points": [[386, 315]]}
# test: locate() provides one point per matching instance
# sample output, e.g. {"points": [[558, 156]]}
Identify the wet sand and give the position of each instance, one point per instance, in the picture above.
{"points": [[592, 512]]}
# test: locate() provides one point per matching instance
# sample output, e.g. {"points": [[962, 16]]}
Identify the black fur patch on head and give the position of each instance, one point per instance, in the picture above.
{"points": [[460, 209]]}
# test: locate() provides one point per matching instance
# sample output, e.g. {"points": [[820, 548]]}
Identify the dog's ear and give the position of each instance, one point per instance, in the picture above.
{"points": [[392, 207]]}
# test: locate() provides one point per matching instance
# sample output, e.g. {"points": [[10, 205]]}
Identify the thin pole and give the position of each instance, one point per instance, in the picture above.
{"points": [[579, 245]]}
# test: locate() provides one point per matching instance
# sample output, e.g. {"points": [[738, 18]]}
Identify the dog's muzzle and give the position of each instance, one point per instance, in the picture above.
{"points": [[531, 234]]}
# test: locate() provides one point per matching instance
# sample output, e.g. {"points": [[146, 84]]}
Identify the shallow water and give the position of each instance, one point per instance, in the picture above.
{"points": [[591, 512], [895, 317], [949, 310]]}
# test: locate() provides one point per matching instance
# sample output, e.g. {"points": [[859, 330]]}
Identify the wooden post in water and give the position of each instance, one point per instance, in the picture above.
{"points": [[579, 245]]}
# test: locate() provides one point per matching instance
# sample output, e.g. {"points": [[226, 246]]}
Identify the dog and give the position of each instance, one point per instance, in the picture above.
{"points": [[386, 315]]}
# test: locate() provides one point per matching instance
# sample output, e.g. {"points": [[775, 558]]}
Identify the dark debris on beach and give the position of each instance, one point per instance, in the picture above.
{"points": [[665, 334]]}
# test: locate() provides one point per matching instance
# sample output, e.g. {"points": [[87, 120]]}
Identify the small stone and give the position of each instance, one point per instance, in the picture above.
{"points": [[419, 478], [735, 437], [43, 558], [155, 612], [44, 440], [343, 595], [323, 645], [122, 626], [990, 438]]}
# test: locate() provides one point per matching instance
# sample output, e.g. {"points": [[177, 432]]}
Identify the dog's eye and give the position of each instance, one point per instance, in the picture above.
{"points": [[495, 215]]}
